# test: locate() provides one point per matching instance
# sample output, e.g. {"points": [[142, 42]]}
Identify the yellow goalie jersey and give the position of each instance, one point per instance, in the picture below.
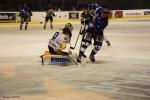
{"points": [[59, 41]]}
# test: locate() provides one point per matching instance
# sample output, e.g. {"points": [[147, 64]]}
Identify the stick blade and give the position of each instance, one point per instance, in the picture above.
{"points": [[76, 63]]}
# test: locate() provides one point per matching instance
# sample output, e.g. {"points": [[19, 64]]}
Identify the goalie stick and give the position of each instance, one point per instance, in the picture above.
{"points": [[70, 58]]}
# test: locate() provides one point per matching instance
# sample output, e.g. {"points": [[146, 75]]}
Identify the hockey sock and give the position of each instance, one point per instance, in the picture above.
{"points": [[26, 26], [95, 50], [45, 25], [83, 48], [21, 26], [51, 26]]}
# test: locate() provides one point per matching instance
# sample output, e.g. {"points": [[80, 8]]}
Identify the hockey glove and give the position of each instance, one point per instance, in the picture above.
{"points": [[82, 21], [83, 32]]}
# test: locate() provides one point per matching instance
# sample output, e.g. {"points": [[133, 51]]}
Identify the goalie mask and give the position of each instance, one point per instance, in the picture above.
{"points": [[69, 26], [68, 29]]}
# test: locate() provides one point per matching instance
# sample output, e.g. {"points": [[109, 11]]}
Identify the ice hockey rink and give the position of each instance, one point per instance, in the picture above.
{"points": [[121, 71]]}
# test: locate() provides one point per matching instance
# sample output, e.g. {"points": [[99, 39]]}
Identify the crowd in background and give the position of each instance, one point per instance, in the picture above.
{"points": [[65, 5]]}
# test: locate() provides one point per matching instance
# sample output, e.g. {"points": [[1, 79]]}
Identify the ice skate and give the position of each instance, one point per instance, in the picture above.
{"points": [[108, 43], [44, 27], [20, 28], [79, 58], [92, 57], [26, 28], [51, 27]]}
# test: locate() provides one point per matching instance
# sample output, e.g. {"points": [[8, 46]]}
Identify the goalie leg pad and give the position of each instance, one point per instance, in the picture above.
{"points": [[58, 59]]}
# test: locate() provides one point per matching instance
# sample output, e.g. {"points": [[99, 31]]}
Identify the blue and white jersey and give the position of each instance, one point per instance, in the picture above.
{"points": [[98, 11], [100, 20], [101, 13], [101, 17]]}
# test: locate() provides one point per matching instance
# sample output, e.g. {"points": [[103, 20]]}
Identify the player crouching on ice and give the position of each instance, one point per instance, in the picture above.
{"points": [[56, 46], [60, 40]]}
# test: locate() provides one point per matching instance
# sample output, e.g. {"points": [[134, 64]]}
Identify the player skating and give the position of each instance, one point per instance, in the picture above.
{"points": [[49, 17], [87, 18], [95, 32], [25, 14]]}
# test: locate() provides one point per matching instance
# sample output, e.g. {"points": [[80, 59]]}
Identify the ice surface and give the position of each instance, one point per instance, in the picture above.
{"points": [[122, 71]]}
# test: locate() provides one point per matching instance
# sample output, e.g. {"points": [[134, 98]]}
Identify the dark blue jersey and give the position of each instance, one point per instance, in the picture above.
{"points": [[25, 12], [100, 22], [101, 17], [101, 14]]}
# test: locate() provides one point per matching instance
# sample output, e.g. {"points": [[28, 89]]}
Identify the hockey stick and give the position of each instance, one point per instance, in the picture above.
{"points": [[76, 40], [82, 39], [70, 58]]}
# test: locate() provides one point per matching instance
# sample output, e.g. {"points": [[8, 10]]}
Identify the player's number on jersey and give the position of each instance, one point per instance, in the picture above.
{"points": [[55, 35]]}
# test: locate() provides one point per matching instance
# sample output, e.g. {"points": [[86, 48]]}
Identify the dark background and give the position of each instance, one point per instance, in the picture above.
{"points": [[41, 5]]}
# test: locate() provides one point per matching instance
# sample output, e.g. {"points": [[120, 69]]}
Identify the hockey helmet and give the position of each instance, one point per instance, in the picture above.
{"points": [[93, 6], [69, 26], [68, 29]]}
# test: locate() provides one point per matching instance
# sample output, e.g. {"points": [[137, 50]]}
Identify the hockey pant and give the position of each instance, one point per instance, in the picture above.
{"points": [[24, 19], [98, 40], [50, 18]]}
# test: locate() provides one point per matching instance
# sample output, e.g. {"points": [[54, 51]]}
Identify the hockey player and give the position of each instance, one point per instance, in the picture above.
{"points": [[49, 16], [25, 14], [60, 40], [87, 18], [95, 32]]}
